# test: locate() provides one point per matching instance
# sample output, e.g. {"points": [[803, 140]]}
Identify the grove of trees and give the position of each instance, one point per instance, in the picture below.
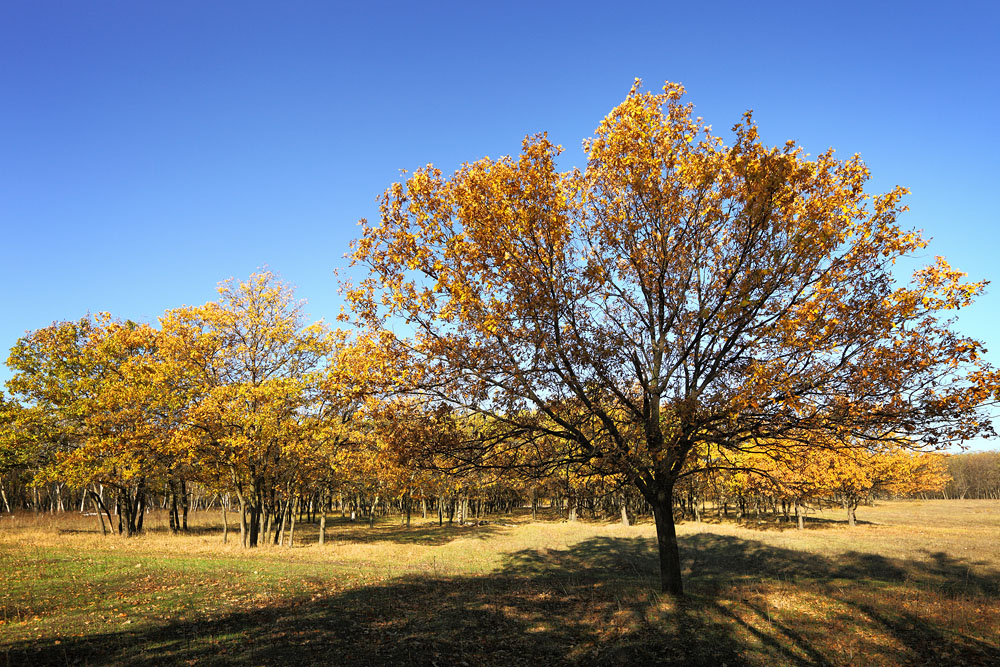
{"points": [[973, 475], [681, 321]]}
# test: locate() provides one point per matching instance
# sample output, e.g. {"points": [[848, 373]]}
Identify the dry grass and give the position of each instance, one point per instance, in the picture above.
{"points": [[913, 583]]}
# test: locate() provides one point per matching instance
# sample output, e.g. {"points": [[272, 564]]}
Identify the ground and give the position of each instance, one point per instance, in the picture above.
{"points": [[916, 582]]}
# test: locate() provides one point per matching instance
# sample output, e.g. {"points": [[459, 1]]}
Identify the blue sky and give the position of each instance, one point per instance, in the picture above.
{"points": [[150, 150]]}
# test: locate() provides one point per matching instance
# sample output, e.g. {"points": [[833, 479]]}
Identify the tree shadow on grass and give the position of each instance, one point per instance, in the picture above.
{"points": [[779, 524], [593, 603], [338, 530], [342, 530], [495, 620]]}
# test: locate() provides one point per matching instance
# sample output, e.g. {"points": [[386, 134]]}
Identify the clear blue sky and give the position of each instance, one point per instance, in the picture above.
{"points": [[150, 150]]}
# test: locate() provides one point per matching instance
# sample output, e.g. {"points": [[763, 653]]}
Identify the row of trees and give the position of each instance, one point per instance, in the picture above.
{"points": [[370, 482], [679, 308], [973, 475], [237, 394]]}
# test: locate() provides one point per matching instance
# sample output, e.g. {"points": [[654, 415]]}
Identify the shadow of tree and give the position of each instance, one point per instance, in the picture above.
{"points": [[590, 604], [772, 523], [338, 530], [342, 530]]}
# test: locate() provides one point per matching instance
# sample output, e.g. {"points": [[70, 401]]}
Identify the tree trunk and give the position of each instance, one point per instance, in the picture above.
{"points": [[184, 506], [3, 494], [107, 510], [243, 519], [322, 518], [172, 513], [800, 515], [282, 524], [625, 521], [666, 541], [98, 504], [291, 528], [140, 512]]}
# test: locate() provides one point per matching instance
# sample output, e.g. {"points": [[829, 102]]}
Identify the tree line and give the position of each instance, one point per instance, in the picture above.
{"points": [[240, 404], [973, 475]]}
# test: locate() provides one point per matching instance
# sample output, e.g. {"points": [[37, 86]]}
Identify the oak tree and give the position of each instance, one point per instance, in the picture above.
{"points": [[90, 409], [248, 371], [677, 291]]}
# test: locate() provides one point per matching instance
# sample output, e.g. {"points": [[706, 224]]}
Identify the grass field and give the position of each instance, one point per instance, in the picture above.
{"points": [[914, 583]]}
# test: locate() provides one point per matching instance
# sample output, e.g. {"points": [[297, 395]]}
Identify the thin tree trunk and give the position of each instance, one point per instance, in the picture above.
{"points": [[107, 510], [291, 529], [282, 525], [322, 519], [184, 506], [140, 512], [100, 517], [243, 519], [3, 494], [172, 513]]}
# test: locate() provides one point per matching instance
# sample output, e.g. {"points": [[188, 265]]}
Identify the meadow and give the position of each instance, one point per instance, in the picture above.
{"points": [[915, 582]]}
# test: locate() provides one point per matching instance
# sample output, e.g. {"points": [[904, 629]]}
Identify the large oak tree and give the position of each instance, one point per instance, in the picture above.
{"points": [[678, 291]]}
